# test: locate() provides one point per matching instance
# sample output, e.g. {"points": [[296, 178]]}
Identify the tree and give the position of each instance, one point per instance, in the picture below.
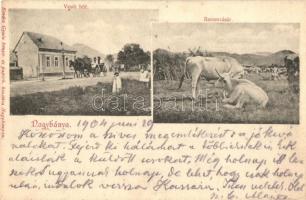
{"points": [[109, 58], [133, 55], [168, 65], [86, 60]]}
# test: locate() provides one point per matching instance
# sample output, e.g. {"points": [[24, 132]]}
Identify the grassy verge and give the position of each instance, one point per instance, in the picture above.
{"points": [[133, 100], [170, 107]]}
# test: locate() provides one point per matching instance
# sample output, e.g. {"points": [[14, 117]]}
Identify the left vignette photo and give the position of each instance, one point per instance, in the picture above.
{"points": [[93, 62]]}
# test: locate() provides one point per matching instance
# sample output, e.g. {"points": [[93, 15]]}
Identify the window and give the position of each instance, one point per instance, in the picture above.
{"points": [[48, 61], [66, 61], [56, 61]]}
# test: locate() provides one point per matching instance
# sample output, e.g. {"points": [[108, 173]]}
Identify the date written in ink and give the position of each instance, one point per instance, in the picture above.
{"points": [[70, 7]]}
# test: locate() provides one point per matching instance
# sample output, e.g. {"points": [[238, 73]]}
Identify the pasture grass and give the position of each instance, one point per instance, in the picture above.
{"points": [[134, 99], [172, 105]]}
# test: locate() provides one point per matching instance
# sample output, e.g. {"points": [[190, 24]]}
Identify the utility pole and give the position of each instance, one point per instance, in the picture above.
{"points": [[63, 58], [40, 67]]}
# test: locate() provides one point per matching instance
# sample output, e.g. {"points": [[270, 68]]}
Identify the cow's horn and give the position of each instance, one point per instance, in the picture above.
{"points": [[230, 69], [218, 73]]}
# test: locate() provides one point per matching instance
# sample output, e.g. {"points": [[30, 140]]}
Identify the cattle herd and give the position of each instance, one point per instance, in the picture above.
{"points": [[276, 73], [290, 71]]}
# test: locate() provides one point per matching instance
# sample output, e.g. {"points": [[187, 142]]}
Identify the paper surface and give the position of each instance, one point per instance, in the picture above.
{"points": [[90, 105]]}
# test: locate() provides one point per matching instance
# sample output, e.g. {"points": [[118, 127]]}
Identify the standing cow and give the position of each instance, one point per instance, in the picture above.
{"points": [[207, 67]]}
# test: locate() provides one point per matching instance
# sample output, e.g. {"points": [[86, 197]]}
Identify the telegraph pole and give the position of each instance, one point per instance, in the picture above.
{"points": [[63, 58]]}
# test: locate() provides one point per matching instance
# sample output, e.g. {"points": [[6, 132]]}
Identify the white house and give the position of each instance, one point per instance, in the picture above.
{"points": [[40, 54]]}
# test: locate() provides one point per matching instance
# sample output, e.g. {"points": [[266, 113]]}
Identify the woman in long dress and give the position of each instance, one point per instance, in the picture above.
{"points": [[144, 77], [117, 84]]}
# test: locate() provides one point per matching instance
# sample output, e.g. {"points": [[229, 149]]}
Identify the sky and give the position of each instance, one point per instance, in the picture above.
{"points": [[104, 30], [227, 37]]}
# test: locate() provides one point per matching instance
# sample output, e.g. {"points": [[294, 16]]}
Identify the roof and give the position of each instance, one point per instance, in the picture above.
{"points": [[46, 42]]}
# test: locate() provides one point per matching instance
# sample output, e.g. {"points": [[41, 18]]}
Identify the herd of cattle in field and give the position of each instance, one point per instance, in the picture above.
{"points": [[229, 74], [290, 71], [275, 72]]}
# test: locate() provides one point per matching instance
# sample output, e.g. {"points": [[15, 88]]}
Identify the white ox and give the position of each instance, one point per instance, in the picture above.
{"points": [[206, 65], [241, 91]]}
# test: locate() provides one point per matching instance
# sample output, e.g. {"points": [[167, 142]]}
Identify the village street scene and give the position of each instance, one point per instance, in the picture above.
{"points": [[80, 62], [226, 73]]}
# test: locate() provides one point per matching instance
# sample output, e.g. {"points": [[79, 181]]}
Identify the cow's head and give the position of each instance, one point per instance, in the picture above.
{"points": [[224, 80]]}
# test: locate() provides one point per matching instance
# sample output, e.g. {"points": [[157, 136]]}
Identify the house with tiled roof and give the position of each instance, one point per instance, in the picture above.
{"points": [[40, 55]]}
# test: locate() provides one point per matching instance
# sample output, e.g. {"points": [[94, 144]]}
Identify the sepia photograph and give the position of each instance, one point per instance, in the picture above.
{"points": [[152, 100], [80, 62], [226, 73]]}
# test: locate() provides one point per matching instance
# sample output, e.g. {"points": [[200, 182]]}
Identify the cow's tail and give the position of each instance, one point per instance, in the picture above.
{"points": [[184, 73]]}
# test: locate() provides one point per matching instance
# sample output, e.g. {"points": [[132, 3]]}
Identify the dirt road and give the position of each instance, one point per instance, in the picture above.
{"points": [[56, 83]]}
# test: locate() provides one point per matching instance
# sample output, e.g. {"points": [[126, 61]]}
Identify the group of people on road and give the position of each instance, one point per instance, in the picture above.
{"points": [[144, 77], [96, 65]]}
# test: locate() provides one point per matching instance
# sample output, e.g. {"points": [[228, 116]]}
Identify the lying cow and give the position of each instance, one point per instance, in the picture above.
{"points": [[206, 66], [241, 91]]}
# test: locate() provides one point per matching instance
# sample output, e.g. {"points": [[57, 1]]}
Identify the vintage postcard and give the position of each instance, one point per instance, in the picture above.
{"points": [[153, 100]]}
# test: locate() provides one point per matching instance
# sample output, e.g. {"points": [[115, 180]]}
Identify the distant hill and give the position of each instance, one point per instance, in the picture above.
{"points": [[278, 57], [261, 58], [266, 59], [83, 50], [263, 53]]}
